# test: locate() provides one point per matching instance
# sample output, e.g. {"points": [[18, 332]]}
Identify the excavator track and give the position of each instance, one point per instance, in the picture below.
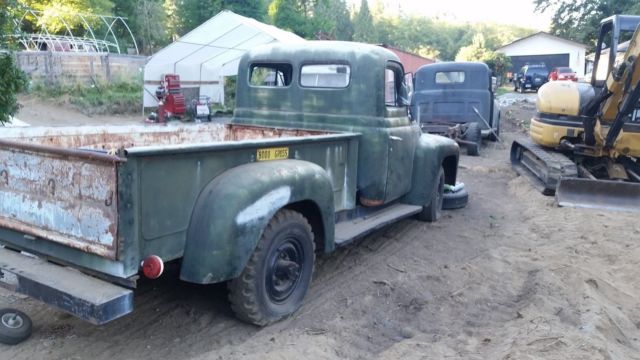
{"points": [[544, 168]]}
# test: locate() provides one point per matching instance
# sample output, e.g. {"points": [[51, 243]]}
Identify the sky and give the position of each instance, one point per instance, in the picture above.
{"points": [[518, 12]]}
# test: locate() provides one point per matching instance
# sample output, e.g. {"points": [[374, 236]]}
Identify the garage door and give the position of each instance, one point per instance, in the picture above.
{"points": [[551, 60]]}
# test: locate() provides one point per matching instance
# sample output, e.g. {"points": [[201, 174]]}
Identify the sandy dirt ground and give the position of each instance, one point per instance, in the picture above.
{"points": [[511, 276], [37, 112]]}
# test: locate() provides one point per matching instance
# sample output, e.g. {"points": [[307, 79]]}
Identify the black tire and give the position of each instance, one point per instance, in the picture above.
{"points": [[456, 200], [433, 210], [474, 136], [15, 326], [278, 274]]}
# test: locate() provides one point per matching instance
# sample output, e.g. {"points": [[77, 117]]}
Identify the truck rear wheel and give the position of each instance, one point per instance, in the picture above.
{"points": [[278, 274], [474, 137], [433, 211]]}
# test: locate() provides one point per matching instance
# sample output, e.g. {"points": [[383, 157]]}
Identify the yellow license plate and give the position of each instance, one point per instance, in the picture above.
{"points": [[273, 154]]}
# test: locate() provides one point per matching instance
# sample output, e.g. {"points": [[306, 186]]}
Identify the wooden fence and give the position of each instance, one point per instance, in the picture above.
{"points": [[69, 68]]}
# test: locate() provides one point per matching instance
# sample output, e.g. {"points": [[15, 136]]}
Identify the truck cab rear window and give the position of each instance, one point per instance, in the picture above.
{"points": [[449, 77], [325, 75], [270, 75]]}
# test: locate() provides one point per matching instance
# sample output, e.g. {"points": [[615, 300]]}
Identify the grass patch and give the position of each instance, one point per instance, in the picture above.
{"points": [[99, 99], [504, 89]]}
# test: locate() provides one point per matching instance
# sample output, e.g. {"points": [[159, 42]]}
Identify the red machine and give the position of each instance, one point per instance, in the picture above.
{"points": [[170, 99]]}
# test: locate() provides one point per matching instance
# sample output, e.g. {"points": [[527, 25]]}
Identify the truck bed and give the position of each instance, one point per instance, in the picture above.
{"points": [[62, 184]]}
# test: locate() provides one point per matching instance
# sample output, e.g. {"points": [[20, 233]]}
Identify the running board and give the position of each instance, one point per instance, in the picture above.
{"points": [[349, 231], [598, 194]]}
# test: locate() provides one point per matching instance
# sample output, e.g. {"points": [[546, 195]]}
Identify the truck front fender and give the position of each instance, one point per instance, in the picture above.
{"points": [[432, 152], [234, 208]]}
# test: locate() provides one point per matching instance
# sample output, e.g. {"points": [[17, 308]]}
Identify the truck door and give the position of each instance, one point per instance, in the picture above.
{"points": [[403, 134]]}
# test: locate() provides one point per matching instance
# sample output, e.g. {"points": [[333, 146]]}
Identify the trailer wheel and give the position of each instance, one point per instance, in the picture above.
{"points": [[15, 326], [278, 274], [474, 136], [433, 210]]}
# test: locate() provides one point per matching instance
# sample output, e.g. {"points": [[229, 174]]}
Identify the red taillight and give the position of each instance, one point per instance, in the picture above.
{"points": [[152, 267]]}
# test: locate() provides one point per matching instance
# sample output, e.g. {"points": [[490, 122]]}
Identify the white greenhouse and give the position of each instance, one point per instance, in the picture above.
{"points": [[207, 54]]}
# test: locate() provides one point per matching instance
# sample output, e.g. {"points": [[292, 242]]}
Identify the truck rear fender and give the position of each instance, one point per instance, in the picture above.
{"points": [[234, 208], [432, 152]]}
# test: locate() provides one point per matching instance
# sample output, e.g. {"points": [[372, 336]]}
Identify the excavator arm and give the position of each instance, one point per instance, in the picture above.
{"points": [[622, 94]]}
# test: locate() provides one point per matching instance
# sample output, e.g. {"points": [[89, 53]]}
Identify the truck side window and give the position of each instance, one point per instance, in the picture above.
{"points": [[390, 89], [396, 93], [325, 75], [449, 77], [270, 75]]}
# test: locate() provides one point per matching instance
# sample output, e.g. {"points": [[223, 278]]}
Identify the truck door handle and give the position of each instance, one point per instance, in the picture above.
{"points": [[396, 138]]}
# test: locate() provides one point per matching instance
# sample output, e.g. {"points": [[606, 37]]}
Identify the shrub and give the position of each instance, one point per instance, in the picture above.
{"points": [[13, 81]]}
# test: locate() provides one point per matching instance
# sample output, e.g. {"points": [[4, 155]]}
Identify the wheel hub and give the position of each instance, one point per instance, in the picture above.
{"points": [[285, 270], [12, 320]]}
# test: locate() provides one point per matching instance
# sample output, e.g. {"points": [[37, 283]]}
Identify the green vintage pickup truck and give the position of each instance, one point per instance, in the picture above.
{"points": [[319, 152]]}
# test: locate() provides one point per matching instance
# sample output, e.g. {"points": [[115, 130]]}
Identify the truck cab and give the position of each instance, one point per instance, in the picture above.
{"points": [[457, 99], [337, 86]]}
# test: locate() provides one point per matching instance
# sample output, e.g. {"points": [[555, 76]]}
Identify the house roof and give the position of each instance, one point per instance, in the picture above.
{"points": [[395, 49], [543, 33]]}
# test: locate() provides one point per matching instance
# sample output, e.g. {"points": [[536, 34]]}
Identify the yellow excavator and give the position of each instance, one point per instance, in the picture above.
{"points": [[584, 144]]}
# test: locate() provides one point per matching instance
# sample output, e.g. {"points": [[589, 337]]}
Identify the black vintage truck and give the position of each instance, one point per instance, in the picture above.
{"points": [[320, 152], [457, 99]]}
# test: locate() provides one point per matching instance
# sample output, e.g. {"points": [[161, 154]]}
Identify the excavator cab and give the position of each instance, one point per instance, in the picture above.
{"points": [[613, 41], [585, 138]]}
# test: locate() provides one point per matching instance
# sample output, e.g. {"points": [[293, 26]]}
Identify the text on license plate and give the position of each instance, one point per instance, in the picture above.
{"points": [[272, 154]]}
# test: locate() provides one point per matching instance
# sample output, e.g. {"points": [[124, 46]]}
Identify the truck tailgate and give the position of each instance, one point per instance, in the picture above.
{"points": [[60, 195]]}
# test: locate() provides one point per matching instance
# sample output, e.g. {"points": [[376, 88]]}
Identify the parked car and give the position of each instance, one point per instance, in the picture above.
{"points": [[562, 73], [457, 99], [311, 162], [531, 77]]}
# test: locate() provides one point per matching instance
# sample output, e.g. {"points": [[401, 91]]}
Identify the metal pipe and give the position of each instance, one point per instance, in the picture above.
{"points": [[634, 175], [486, 123]]}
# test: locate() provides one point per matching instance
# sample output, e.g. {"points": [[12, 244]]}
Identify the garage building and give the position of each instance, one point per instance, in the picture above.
{"points": [[552, 50]]}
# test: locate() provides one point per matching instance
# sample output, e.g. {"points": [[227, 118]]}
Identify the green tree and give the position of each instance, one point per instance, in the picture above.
{"points": [[149, 25], [363, 26], [474, 52], [193, 13], [173, 21], [344, 26], [55, 13], [7, 14], [331, 20], [497, 62], [296, 16], [13, 81], [580, 20], [186, 15], [255, 9]]}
